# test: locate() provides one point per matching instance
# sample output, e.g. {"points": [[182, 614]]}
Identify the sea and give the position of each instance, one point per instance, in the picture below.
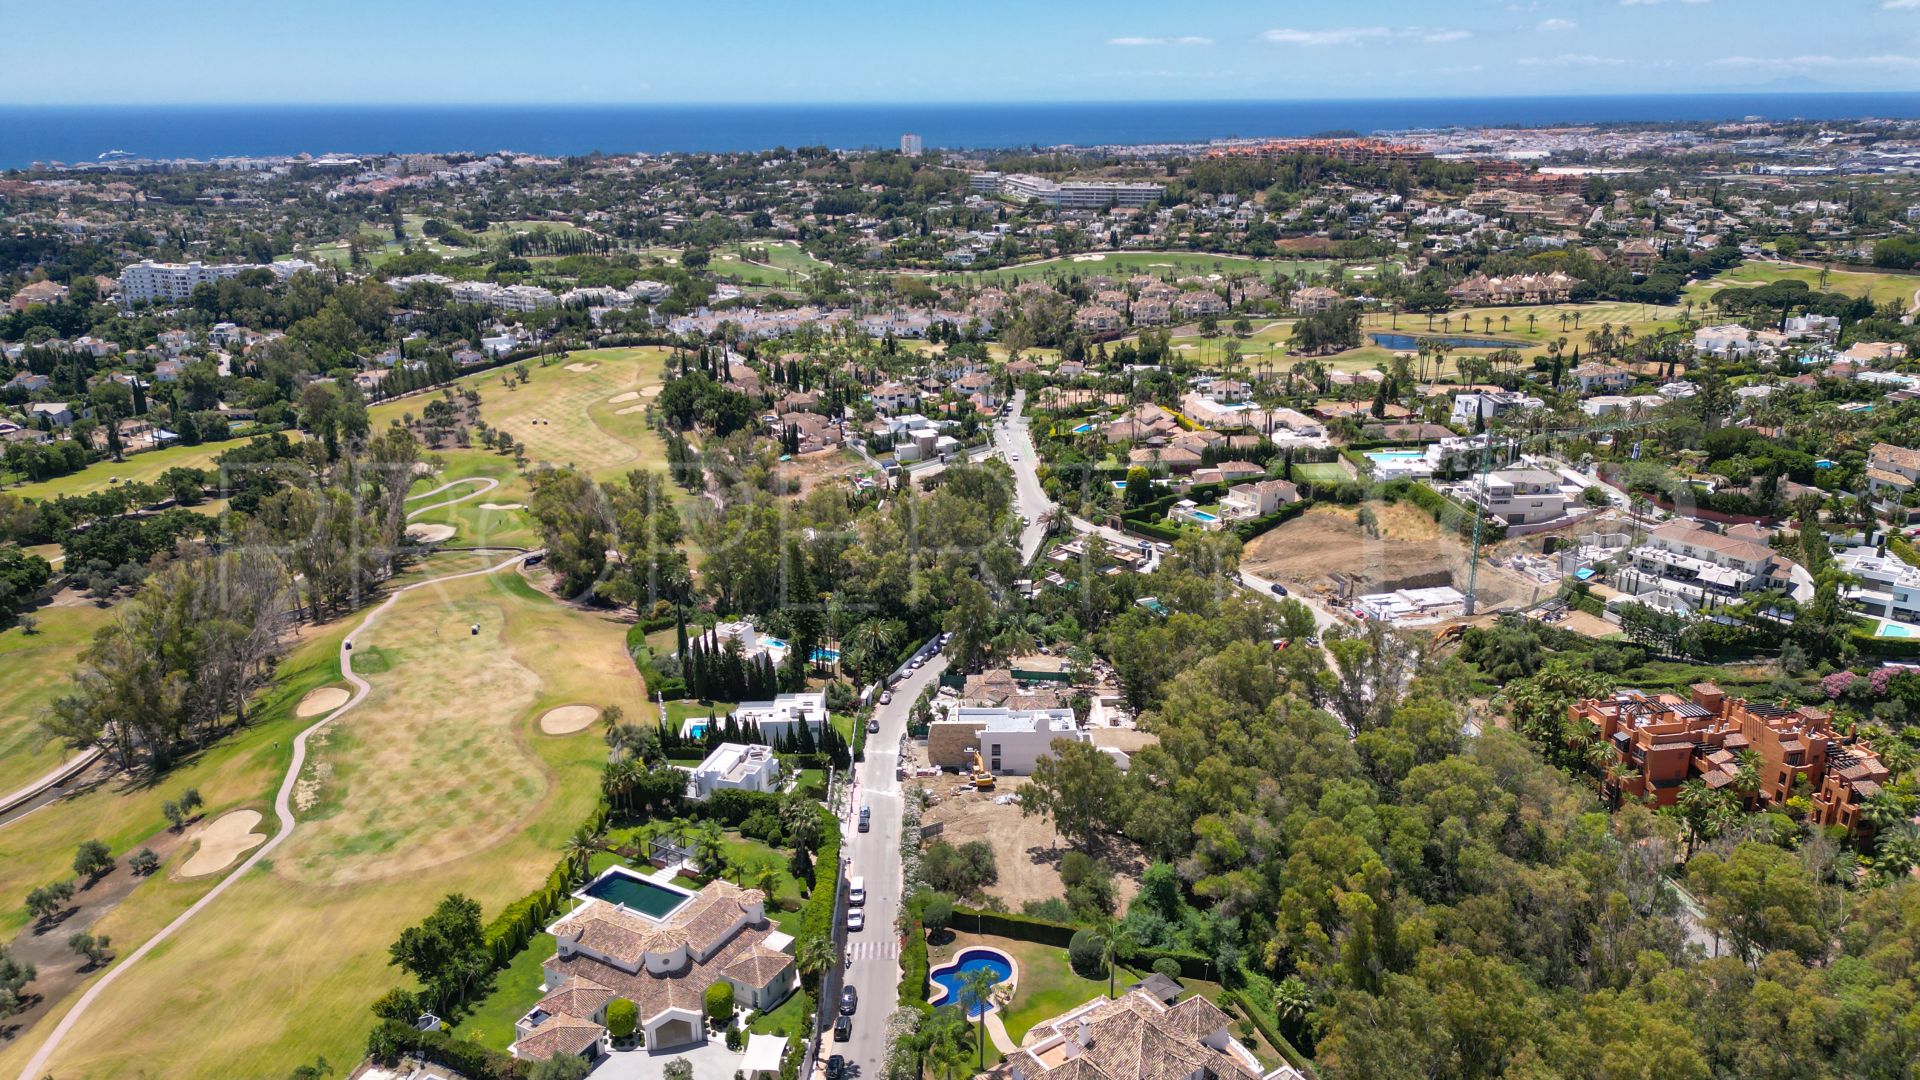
{"points": [[76, 134]]}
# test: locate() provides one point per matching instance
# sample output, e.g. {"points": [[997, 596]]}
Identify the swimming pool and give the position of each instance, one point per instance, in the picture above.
{"points": [[826, 656], [1202, 515], [697, 731], [773, 643], [1397, 455], [1411, 342], [1083, 429], [1895, 630], [621, 886], [949, 979]]}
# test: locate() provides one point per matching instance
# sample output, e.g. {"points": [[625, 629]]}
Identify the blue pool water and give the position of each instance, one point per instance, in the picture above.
{"points": [[1410, 342], [1083, 429], [951, 977], [773, 643], [1202, 515], [1895, 630], [697, 731], [1397, 455], [826, 656], [638, 894]]}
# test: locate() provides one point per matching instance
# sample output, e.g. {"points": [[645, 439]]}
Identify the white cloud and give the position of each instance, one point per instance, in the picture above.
{"points": [[1354, 35], [1554, 26], [1572, 60], [1884, 60], [1350, 35], [1651, 3], [1896, 5], [1143, 41]]}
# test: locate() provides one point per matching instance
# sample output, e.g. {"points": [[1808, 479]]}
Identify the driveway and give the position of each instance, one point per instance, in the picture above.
{"points": [[875, 856], [710, 1060]]}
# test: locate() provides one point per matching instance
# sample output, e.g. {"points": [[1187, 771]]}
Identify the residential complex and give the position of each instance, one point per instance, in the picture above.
{"points": [[1068, 195], [147, 281], [1137, 1036], [1692, 566], [1663, 740]]}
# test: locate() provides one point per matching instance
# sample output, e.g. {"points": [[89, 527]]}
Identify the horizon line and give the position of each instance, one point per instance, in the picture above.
{"points": [[957, 103]]}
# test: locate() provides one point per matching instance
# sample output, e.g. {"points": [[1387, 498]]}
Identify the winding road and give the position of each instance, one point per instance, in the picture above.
{"points": [[283, 801]]}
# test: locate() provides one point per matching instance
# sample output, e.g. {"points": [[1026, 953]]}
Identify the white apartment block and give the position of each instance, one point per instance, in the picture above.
{"points": [[147, 281], [1072, 195], [521, 298], [1695, 567], [781, 718], [911, 145]]}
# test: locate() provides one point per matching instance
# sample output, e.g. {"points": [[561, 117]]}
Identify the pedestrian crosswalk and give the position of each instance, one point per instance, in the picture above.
{"points": [[879, 949]]}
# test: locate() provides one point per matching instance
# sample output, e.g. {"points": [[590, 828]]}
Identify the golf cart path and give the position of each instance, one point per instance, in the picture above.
{"points": [[282, 809], [488, 484]]}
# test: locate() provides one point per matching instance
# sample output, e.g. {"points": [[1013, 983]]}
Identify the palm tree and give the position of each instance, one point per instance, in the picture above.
{"points": [[1895, 854], [1883, 809], [943, 1039], [1746, 775], [976, 992], [1292, 1001], [812, 956], [1113, 935], [579, 851], [709, 848]]}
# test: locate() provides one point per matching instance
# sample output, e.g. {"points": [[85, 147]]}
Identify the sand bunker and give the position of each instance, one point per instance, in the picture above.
{"points": [[1090, 257], [223, 841], [429, 534], [321, 701], [503, 506], [568, 719], [582, 368], [628, 396], [630, 409], [423, 468], [652, 391]]}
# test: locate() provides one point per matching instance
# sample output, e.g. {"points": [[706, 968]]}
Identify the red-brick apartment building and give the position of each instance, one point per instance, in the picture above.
{"points": [[1663, 740]]}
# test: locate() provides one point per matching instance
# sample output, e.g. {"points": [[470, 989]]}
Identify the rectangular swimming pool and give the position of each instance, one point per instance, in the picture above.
{"points": [[636, 894]]}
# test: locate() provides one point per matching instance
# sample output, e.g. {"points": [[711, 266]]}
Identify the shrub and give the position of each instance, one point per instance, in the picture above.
{"points": [[623, 1017], [1167, 966], [678, 1069], [959, 870], [1084, 953], [720, 1002], [938, 913]]}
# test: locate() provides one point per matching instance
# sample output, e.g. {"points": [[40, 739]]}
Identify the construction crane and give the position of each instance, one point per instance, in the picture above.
{"points": [[1514, 442]]}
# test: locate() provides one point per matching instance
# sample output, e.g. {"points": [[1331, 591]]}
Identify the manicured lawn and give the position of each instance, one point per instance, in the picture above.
{"points": [[34, 669], [440, 782], [1044, 983], [514, 992], [138, 468], [1881, 287], [1326, 472], [678, 712], [568, 416], [789, 1018]]}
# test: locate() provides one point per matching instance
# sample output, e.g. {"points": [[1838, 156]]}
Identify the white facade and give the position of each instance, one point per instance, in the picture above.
{"points": [[1521, 496], [911, 145], [1469, 407], [1011, 741], [781, 718], [148, 281], [1888, 587], [735, 767]]}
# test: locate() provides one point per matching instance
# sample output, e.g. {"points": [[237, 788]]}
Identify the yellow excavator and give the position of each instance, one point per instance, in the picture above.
{"points": [[982, 779]]}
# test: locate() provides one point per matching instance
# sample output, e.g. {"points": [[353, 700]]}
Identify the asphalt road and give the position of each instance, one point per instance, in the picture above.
{"points": [[1030, 500], [875, 856]]}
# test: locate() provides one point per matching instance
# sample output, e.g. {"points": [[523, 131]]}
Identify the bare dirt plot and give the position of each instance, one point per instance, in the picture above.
{"points": [[222, 841], [1411, 548], [568, 719], [1026, 851], [1125, 740], [820, 467], [322, 701]]}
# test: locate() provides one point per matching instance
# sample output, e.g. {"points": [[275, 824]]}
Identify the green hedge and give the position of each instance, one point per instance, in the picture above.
{"points": [[1008, 924], [1902, 550], [914, 980], [512, 929], [1270, 1028], [1247, 530], [390, 1040], [1886, 647]]}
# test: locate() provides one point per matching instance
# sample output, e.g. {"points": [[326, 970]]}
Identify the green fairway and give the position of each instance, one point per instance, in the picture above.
{"points": [[33, 671], [138, 468], [1322, 473], [441, 781], [587, 410], [766, 262], [1881, 288], [1121, 264]]}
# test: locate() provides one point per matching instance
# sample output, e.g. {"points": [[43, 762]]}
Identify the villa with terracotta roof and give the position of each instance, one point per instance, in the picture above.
{"points": [[1137, 1036], [662, 959]]}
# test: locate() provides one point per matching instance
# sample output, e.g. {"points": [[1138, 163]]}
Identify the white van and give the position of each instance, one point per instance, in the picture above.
{"points": [[856, 891]]}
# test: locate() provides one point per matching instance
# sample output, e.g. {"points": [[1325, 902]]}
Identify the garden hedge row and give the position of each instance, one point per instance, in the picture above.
{"points": [[1008, 924], [391, 1039], [1445, 511]]}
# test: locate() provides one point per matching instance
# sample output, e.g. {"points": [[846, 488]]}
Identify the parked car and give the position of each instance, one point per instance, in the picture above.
{"points": [[886, 697], [849, 1000], [836, 1067], [866, 818], [1279, 589], [856, 890], [856, 919], [843, 1029], [873, 727]]}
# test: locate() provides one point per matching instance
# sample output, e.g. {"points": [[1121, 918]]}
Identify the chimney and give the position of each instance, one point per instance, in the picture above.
{"points": [[1085, 1037]]}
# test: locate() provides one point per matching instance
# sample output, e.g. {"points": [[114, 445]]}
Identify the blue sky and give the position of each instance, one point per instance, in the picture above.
{"points": [[569, 51]]}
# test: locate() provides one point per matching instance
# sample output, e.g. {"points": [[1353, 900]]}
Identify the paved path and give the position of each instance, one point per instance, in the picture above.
{"points": [[282, 806], [1012, 439], [488, 484]]}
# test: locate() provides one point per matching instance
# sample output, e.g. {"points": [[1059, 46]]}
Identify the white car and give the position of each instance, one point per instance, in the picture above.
{"points": [[856, 918], [1013, 457]]}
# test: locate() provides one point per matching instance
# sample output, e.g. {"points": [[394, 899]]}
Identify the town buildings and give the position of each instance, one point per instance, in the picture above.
{"points": [[1140, 1035]]}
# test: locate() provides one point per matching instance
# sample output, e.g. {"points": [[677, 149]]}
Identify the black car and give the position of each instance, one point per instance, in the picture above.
{"points": [[842, 1028], [836, 1067], [1279, 589], [849, 1000]]}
